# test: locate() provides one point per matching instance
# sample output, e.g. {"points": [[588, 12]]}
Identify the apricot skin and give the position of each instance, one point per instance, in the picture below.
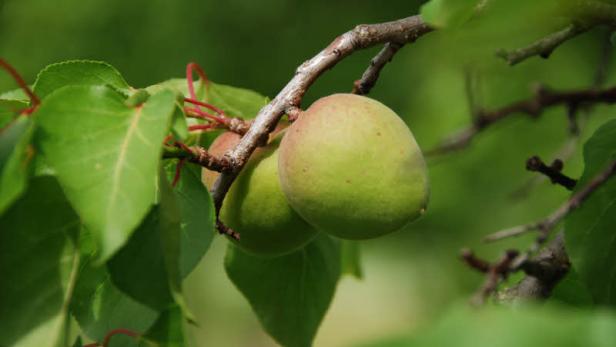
{"points": [[255, 205], [351, 167]]}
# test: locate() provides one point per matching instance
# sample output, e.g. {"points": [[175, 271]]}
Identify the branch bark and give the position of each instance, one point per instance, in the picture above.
{"points": [[544, 271], [363, 85], [547, 224], [544, 46], [363, 36], [534, 107]]}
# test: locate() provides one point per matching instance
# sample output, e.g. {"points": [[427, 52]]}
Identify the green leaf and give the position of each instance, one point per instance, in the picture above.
{"points": [[179, 85], [15, 159], [37, 263], [572, 291], [289, 294], [78, 73], [197, 215], [15, 95], [523, 326], [351, 258], [236, 102], [448, 13], [9, 110], [105, 155], [179, 127], [168, 330], [589, 230], [147, 267], [98, 306]]}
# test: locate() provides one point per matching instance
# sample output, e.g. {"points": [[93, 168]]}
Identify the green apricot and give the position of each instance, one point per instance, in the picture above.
{"points": [[351, 167], [255, 205]]}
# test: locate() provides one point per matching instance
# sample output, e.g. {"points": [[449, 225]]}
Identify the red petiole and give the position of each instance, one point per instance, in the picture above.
{"points": [[34, 100]]}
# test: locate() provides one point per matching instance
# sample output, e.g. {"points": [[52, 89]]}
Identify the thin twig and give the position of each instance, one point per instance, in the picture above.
{"points": [[494, 276], [363, 85], [545, 225], [290, 97], [534, 107], [544, 46], [553, 172]]}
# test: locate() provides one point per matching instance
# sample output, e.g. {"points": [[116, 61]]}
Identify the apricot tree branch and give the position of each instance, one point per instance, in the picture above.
{"points": [[363, 85], [198, 155], [544, 226], [553, 171], [544, 46], [289, 98], [543, 98], [543, 272]]}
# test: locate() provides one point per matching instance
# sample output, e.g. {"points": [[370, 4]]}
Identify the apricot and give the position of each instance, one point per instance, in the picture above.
{"points": [[255, 205], [352, 168]]}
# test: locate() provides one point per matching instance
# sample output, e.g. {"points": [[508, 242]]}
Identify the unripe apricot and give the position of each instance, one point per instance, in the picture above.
{"points": [[255, 205], [351, 167]]}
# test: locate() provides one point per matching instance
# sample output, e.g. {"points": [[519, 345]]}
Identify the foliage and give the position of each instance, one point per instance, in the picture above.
{"points": [[94, 237]]}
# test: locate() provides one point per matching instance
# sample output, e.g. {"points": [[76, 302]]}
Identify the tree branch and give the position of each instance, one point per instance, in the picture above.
{"points": [[547, 224], [553, 172], [290, 97], [544, 46], [544, 271], [371, 75], [534, 107], [198, 155]]}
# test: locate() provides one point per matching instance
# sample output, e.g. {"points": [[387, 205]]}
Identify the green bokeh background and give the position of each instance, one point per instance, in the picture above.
{"points": [[413, 276]]}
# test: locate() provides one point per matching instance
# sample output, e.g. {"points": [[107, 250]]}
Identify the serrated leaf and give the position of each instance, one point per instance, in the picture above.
{"points": [[447, 13], [289, 294], [589, 231], [98, 306], [351, 258], [168, 330], [15, 159], [522, 326], [198, 220], [78, 73], [147, 267], [37, 259], [106, 156]]}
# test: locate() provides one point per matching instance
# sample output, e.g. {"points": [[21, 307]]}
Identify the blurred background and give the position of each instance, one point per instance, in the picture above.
{"points": [[412, 276]]}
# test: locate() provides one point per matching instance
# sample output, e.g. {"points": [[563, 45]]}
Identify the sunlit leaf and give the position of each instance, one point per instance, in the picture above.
{"points": [[78, 73], [105, 155], [448, 13]]}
